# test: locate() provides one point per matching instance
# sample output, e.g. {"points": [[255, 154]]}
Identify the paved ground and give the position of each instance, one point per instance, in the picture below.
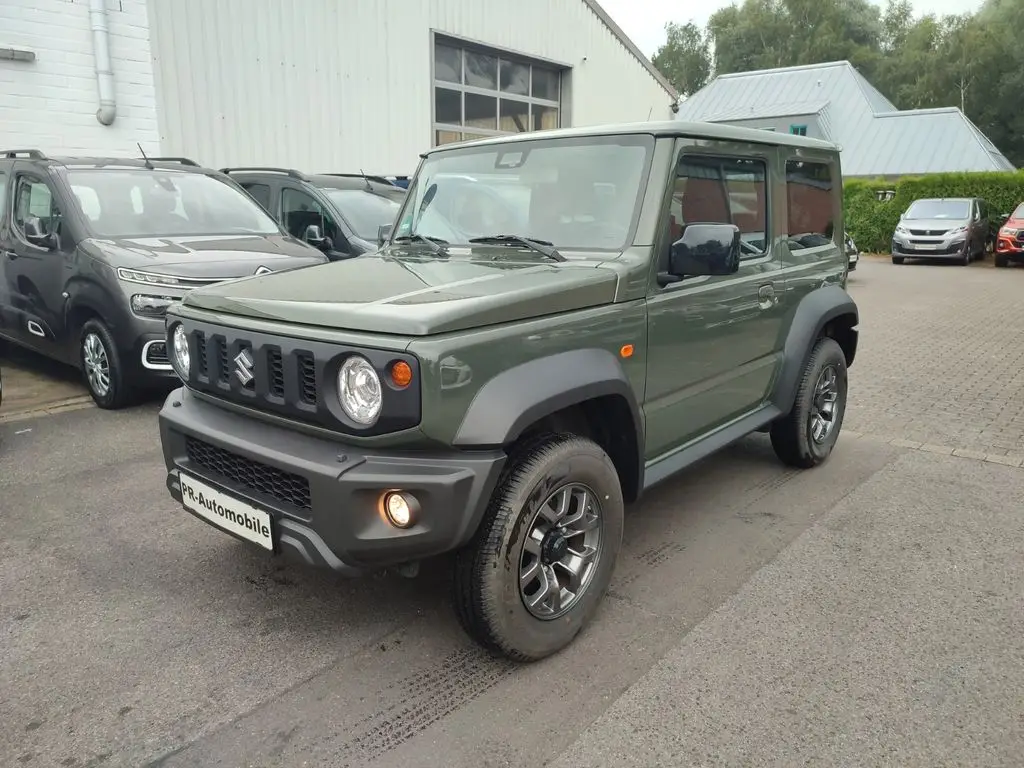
{"points": [[866, 613]]}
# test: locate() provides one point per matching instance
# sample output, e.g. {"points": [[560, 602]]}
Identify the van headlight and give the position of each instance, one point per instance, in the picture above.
{"points": [[359, 390], [180, 358]]}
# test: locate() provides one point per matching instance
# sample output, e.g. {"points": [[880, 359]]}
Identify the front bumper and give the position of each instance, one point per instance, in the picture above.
{"points": [[1010, 248], [323, 496], [936, 249]]}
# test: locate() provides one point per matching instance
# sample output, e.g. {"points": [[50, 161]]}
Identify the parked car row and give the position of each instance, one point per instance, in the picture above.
{"points": [[94, 250]]}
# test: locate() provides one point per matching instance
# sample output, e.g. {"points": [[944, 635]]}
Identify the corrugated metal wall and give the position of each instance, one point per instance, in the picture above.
{"points": [[346, 84]]}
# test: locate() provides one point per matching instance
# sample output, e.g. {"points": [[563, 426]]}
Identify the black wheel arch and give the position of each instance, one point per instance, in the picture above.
{"points": [[826, 311], [588, 383]]}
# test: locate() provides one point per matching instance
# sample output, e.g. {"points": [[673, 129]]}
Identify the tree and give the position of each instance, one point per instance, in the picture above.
{"points": [[685, 58]]}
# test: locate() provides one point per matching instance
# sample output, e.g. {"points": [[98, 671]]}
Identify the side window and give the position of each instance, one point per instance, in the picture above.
{"points": [[32, 198], [722, 190], [810, 203], [3, 196], [260, 193], [299, 210]]}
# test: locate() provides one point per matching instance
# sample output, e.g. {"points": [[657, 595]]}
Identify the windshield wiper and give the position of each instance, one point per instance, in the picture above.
{"points": [[540, 246], [437, 245]]}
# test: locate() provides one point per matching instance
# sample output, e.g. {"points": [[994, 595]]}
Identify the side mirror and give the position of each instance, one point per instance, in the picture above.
{"points": [[383, 232], [313, 235], [34, 233], [705, 249]]}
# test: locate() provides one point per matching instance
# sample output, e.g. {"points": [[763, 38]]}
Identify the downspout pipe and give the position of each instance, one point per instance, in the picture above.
{"points": [[104, 69]]}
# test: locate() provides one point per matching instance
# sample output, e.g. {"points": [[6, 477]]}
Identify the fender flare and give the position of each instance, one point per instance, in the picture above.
{"points": [[516, 398], [813, 312], [91, 295]]}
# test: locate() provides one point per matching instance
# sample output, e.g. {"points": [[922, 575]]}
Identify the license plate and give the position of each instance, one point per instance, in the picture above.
{"points": [[226, 512], [926, 247]]}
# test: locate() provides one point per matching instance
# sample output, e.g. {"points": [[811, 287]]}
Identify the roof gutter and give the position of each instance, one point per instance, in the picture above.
{"points": [[104, 70]]}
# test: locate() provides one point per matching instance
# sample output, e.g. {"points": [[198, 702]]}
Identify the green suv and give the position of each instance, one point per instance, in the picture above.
{"points": [[558, 321]]}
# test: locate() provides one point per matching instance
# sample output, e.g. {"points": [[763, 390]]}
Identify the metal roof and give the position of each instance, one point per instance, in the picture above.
{"points": [[702, 130], [876, 139]]}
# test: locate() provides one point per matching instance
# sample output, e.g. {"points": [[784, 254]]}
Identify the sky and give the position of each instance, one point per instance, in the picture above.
{"points": [[644, 20]]}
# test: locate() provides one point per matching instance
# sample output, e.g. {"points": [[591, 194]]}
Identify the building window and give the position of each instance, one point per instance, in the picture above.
{"points": [[480, 93], [798, 130], [810, 204]]}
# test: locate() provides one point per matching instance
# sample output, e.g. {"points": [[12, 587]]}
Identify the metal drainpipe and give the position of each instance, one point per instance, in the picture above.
{"points": [[104, 70]]}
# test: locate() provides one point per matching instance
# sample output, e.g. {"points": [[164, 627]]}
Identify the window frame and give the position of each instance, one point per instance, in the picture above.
{"points": [[838, 238], [765, 163], [798, 129], [467, 132]]}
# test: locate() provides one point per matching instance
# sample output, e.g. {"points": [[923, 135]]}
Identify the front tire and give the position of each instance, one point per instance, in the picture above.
{"points": [[102, 367], [897, 259], [805, 437], [1001, 261], [540, 562]]}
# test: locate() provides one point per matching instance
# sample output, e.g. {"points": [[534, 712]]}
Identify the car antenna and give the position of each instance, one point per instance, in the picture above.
{"points": [[149, 165], [369, 187]]}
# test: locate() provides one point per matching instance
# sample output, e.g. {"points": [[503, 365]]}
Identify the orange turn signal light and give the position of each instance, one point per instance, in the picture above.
{"points": [[401, 374], [626, 350]]}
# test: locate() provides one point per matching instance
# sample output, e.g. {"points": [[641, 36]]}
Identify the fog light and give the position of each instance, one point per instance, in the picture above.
{"points": [[400, 509]]}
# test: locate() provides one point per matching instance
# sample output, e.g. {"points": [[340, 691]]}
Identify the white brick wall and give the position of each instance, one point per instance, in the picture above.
{"points": [[50, 103]]}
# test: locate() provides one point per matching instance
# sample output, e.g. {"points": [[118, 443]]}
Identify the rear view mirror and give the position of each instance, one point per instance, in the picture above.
{"points": [[383, 232], [313, 235], [706, 249]]}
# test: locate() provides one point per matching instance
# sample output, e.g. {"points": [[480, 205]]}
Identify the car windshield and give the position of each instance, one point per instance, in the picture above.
{"points": [[576, 193], [367, 211], [159, 203], [939, 209], [1018, 212]]}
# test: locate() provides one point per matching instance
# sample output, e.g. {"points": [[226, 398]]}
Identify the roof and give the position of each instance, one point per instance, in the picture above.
{"points": [[96, 162], [630, 46], [876, 139], [712, 131], [329, 180]]}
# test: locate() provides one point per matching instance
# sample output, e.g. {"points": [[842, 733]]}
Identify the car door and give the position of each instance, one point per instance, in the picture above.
{"points": [[9, 323], [299, 209], [34, 269], [712, 340]]}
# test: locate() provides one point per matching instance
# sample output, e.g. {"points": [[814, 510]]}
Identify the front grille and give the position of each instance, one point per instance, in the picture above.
{"points": [[928, 232], [293, 378], [286, 487]]}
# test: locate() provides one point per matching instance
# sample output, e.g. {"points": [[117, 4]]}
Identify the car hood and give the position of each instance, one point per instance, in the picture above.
{"points": [[380, 293], [934, 225], [206, 258]]}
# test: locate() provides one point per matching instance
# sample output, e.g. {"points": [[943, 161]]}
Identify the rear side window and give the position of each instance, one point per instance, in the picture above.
{"points": [[3, 195], [810, 204], [722, 190]]}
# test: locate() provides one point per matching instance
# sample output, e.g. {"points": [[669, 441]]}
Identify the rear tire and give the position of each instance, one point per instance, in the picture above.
{"points": [[522, 541], [102, 368], [806, 436]]}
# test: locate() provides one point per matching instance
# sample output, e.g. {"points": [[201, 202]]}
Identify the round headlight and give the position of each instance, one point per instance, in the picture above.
{"points": [[359, 390], [180, 358]]}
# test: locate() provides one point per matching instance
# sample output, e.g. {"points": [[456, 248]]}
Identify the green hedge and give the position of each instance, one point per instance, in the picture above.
{"points": [[871, 222]]}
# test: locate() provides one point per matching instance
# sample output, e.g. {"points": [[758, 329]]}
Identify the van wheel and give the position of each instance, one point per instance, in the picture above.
{"points": [[1001, 260], [540, 562], [806, 436], [897, 259], [102, 368]]}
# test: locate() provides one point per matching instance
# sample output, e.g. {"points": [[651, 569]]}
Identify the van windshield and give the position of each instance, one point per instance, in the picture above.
{"points": [[127, 203], [575, 193], [939, 209]]}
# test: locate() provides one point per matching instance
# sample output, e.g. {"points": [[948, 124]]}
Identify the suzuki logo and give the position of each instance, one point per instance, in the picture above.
{"points": [[263, 270], [243, 367]]}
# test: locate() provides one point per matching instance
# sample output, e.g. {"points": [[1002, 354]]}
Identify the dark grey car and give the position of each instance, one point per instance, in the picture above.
{"points": [[943, 228], [94, 250]]}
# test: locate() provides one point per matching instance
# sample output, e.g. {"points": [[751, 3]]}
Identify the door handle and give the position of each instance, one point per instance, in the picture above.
{"points": [[10, 255], [766, 298]]}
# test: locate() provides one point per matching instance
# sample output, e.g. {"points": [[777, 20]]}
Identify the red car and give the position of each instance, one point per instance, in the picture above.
{"points": [[1010, 240]]}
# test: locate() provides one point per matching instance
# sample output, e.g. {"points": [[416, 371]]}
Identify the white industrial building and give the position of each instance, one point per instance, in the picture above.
{"points": [[320, 85]]}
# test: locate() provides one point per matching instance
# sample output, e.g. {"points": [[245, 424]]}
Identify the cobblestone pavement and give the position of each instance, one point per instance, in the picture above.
{"points": [[940, 364]]}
